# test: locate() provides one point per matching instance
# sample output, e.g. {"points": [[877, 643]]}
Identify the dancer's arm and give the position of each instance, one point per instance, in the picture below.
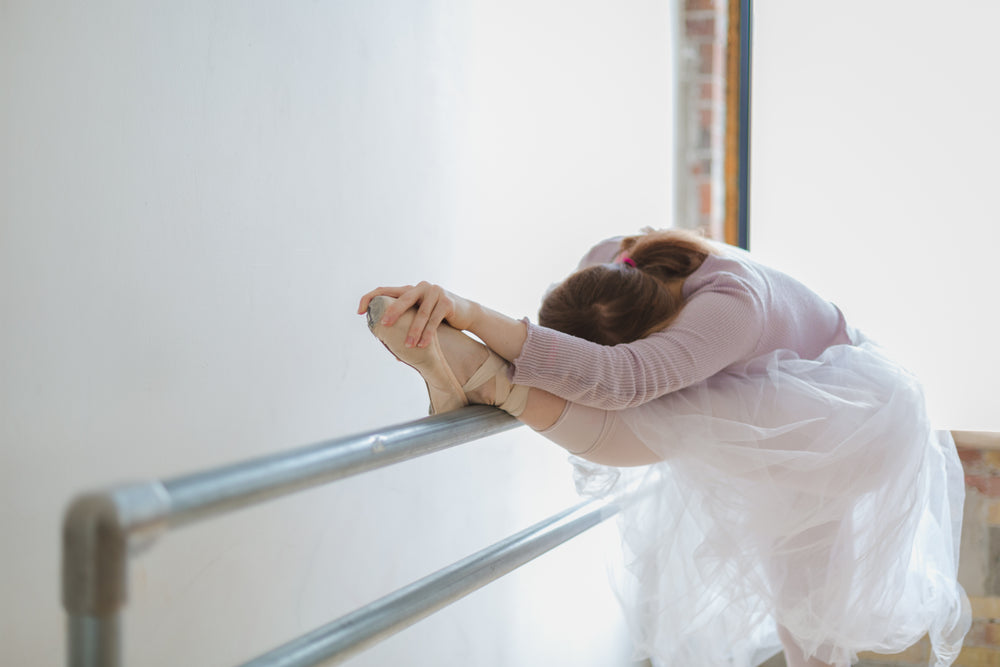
{"points": [[503, 334], [715, 329], [712, 332]]}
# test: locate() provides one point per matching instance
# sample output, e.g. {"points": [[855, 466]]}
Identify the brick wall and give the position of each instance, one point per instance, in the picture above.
{"points": [[702, 116], [979, 568]]}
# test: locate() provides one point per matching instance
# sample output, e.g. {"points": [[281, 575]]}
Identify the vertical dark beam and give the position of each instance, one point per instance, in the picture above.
{"points": [[746, 33], [737, 160]]}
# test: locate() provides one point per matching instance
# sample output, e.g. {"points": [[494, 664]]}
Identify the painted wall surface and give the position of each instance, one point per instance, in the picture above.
{"points": [[874, 146], [193, 195]]}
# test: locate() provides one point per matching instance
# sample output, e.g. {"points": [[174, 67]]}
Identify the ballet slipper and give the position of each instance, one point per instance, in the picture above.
{"points": [[445, 391], [443, 387], [509, 397]]}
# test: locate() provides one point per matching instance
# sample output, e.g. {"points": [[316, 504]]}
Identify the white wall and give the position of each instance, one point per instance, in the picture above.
{"points": [[192, 197], [874, 172]]}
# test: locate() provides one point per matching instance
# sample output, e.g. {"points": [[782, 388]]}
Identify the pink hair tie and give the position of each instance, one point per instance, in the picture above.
{"points": [[628, 260]]}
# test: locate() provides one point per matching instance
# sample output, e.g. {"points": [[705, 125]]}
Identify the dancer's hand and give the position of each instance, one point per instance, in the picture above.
{"points": [[435, 304]]}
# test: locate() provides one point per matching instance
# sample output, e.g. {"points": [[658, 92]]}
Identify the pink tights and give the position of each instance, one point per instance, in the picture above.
{"points": [[599, 436]]}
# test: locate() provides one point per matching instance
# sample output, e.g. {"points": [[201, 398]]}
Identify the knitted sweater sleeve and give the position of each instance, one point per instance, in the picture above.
{"points": [[718, 326]]}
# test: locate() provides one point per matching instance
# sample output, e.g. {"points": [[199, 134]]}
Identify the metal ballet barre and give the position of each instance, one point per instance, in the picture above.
{"points": [[101, 528]]}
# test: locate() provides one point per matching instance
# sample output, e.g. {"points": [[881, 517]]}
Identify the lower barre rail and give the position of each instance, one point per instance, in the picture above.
{"points": [[337, 641]]}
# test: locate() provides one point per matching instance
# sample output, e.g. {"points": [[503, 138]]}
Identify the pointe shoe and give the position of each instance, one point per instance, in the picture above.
{"points": [[443, 387], [445, 391], [509, 397]]}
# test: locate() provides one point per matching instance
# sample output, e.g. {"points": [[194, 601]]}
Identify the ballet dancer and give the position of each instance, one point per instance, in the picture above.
{"points": [[797, 492]]}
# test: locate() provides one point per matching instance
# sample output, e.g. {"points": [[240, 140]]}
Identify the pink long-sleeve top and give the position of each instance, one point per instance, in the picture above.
{"points": [[735, 309]]}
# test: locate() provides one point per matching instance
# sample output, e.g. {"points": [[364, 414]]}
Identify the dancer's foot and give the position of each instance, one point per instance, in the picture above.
{"points": [[491, 385], [457, 369]]}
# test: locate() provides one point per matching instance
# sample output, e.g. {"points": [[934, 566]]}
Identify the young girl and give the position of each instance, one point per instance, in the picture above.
{"points": [[792, 485]]}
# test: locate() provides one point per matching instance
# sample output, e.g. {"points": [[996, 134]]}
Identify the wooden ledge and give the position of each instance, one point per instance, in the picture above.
{"points": [[976, 439]]}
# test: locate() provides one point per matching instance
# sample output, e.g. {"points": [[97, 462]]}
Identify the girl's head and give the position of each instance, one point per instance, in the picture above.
{"points": [[628, 299]]}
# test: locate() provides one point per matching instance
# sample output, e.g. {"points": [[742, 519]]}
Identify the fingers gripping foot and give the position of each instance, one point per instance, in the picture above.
{"points": [[456, 368]]}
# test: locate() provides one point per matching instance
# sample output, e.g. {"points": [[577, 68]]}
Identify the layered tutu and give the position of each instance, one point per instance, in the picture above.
{"points": [[810, 494]]}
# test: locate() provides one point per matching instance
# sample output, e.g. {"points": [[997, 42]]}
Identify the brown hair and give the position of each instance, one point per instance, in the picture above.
{"points": [[619, 303]]}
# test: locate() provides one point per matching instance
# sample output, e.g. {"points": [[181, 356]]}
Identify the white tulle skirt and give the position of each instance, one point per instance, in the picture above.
{"points": [[810, 494]]}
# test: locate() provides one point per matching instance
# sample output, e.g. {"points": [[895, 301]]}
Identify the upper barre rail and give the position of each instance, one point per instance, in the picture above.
{"points": [[100, 528], [201, 494]]}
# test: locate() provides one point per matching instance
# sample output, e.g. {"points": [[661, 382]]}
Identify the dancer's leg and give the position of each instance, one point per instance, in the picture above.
{"points": [[542, 409], [793, 654], [596, 435], [798, 570]]}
